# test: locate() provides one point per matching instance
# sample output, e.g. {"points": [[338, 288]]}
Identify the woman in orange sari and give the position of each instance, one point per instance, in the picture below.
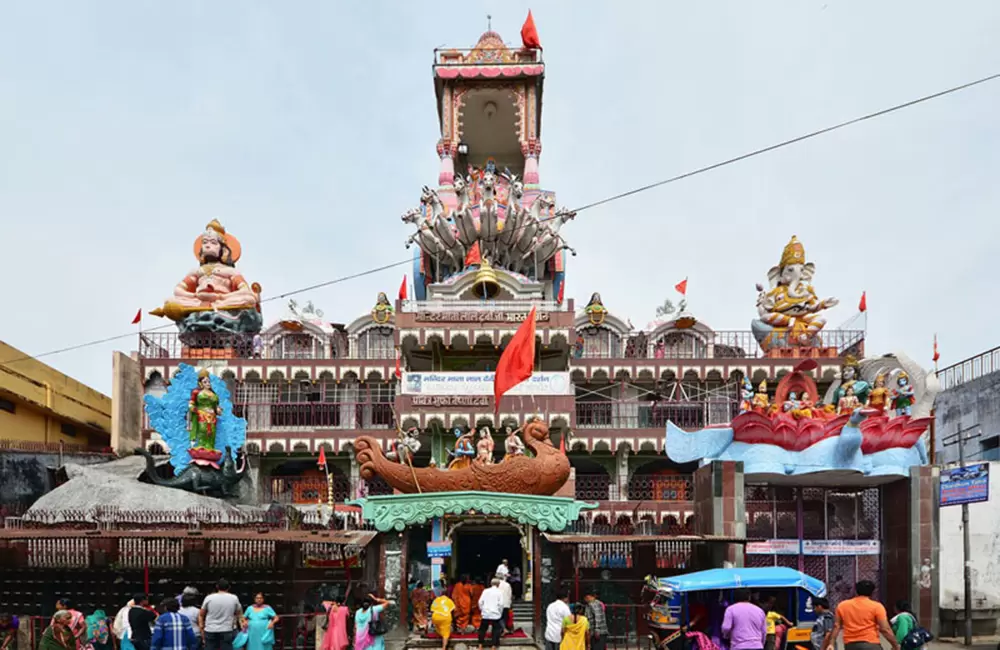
{"points": [[462, 596]]}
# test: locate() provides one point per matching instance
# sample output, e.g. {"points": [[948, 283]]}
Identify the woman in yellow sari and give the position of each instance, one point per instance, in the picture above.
{"points": [[575, 630], [441, 610]]}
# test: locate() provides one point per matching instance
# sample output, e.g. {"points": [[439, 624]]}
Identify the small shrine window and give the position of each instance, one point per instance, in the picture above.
{"points": [[298, 345], [377, 343], [677, 345], [600, 343]]}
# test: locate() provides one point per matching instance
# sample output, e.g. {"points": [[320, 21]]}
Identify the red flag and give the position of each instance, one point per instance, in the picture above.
{"points": [[682, 287], [863, 303], [322, 457], [562, 292], [402, 289], [399, 373], [937, 355], [473, 257], [517, 360], [138, 317], [562, 443], [529, 34]]}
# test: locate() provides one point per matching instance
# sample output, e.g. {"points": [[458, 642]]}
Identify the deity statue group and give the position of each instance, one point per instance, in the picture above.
{"points": [[470, 447], [853, 393], [789, 308]]}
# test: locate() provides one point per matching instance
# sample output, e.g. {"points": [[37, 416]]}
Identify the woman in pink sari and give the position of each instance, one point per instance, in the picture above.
{"points": [[336, 627]]}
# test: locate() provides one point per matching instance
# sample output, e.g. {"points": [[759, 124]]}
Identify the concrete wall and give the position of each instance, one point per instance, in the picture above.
{"points": [[25, 476], [126, 391], [975, 403], [984, 532], [45, 399]]}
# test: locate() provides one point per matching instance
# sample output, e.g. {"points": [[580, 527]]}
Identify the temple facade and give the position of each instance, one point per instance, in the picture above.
{"points": [[628, 452]]}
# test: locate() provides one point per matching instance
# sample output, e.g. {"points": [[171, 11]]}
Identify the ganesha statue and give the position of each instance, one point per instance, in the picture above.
{"points": [[215, 297], [789, 309]]}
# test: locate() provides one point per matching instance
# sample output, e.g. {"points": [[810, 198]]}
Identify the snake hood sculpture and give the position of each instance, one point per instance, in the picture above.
{"points": [[540, 475]]}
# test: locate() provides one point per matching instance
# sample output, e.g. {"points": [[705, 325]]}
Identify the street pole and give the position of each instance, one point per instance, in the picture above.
{"points": [[966, 569]]}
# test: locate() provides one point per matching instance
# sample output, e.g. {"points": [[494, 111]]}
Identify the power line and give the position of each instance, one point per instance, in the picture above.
{"points": [[616, 197]]}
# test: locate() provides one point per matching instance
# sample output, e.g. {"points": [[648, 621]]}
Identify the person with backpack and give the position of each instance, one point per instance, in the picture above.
{"points": [[906, 628]]}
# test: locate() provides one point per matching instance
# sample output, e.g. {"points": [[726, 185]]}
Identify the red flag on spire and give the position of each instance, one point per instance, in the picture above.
{"points": [[517, 360], [138, 317], [402, 289], [562, 292], [322, 457], [863, 303], [529, 33], [473, 257], [937, 355], [682, 287]]}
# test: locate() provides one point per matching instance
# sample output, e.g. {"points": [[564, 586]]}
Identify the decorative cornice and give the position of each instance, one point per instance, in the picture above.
{"points": [[396, 512]]}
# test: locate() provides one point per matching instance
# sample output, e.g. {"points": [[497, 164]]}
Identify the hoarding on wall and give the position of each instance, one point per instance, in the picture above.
{"points": [[821, 547], [969, 484], [481, 383]]}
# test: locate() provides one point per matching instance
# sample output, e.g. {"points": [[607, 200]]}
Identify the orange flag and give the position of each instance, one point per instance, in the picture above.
{"points": [[529, 33], [863, 304], [402, 289], [322, 457], [517, 360], [682, 287]]}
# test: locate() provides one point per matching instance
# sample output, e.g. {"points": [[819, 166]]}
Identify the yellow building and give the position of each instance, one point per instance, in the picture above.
{"points": [[39, 404]]}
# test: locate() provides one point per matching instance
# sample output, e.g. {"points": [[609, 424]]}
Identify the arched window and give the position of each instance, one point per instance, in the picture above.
{"points": [[377, 343]]}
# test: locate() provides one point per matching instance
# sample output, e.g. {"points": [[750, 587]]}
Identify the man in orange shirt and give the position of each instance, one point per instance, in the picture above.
{"points": [[862, 619]]}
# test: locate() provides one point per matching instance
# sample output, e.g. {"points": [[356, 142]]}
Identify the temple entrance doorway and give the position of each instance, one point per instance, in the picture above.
{"points": [[481, 548]]}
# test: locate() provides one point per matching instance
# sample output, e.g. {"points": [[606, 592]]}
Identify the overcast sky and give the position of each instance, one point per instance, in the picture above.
{"points": [[307, 128]]}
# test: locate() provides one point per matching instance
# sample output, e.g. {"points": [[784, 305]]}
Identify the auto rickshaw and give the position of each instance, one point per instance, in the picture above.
{"points": [[697, 602]]}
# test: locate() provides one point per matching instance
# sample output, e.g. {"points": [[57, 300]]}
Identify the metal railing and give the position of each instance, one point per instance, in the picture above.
{"points": [[601, 487], [478, 306], [271, 416], [970, 369], [654, 415], [282, 345], [714, 345], [451, 56]]}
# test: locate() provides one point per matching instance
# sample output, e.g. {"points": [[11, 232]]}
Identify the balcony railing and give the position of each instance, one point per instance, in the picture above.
{"points": [[654, 415], [478, 306], [36, 447], [451, 56], [716, 345], [310, 490], [269, 416], [172, 345], [969, 370], [602, 487]]}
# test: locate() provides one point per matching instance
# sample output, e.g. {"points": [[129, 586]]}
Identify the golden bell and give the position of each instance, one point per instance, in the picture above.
{"points": [[486, 285]]}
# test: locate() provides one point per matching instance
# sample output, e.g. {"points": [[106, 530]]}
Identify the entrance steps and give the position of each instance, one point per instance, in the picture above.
{"points": [[418, 642], [524, 612]]}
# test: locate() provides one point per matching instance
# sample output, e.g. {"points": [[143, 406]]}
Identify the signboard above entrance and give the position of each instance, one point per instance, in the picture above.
{"points": [[969, 484], [481, 383], [478, 316]]}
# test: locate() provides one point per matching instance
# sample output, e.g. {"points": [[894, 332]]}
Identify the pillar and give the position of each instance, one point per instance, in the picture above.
{"points": [[622, 473], [354, 477], [446, 150], [720, 509], [531, 149], [437, 535], [924, 487]]}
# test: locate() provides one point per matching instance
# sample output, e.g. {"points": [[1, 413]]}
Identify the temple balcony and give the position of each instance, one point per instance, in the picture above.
{"points": [[268, 346], [479, 306], [617, 415], [970, 369]]}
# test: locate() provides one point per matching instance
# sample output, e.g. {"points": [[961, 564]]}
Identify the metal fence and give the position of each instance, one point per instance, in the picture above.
{"points": [[271, 416], [970, 369], [35, 447], [654, 415], [279, 345], [602, 487], [691, 344]]}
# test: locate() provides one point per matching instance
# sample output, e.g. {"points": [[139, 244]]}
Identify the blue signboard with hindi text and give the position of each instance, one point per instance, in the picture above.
{"points": [[969, 484]]}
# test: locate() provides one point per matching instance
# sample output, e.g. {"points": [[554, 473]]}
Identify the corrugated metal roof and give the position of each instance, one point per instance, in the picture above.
{"points": [[351, 537]]}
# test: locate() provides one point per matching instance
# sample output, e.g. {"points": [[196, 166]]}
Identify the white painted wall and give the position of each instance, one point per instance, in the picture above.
{"points": [[984, 534]]}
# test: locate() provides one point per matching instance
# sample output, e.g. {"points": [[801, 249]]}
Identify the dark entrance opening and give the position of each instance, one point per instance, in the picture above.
{"points": [[481, 549]]}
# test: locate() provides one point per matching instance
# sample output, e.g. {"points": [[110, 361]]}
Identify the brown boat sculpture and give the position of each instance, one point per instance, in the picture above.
{"points": [[542, 475]]}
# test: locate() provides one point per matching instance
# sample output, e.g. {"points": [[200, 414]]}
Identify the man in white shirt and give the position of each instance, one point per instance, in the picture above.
{"points": [[508, 599], [503, 570], [555, 614], [491, 608]]}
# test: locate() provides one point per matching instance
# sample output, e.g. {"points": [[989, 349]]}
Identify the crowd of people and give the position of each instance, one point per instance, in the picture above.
{"points": [[860, 620], [581, 626]]}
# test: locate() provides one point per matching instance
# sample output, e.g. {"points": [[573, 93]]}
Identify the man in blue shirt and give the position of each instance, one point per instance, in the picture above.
{"points": [[173, 630]]}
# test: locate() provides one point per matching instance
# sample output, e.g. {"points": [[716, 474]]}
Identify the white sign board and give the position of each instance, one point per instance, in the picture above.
{"points": [[481, 383]]}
